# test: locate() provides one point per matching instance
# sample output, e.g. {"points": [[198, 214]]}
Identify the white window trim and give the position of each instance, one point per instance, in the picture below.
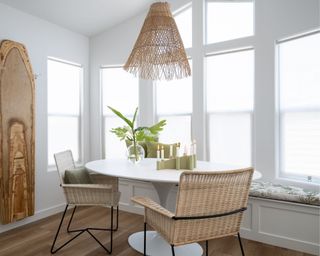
{"points": [[182, 9], [80, 116], [103, 116], [280, 174], [251, 112], [205, 27], [160, 116]]}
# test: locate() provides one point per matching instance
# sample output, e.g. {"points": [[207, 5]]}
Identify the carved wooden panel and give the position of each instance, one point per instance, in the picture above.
{"points": [[17, 135]]}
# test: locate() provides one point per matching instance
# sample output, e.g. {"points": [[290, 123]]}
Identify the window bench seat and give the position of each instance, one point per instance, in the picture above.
{"points": [[294, 194], [285, 216]]}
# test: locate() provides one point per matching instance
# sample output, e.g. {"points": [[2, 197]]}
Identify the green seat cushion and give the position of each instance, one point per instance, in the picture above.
{"points": [[79, 175], [153, 146]]}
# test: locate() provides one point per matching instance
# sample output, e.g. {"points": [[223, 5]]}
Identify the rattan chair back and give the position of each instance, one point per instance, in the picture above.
{"points": [[64, 160], [211, 193], [215, 201]]}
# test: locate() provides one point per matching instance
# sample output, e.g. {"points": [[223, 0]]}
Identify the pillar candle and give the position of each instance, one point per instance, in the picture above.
{"points": [[162, 153], [178, 150], [191, 148], [185, 153], [158, 153]]}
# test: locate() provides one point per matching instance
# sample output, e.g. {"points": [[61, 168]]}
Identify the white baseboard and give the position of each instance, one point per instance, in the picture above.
{"points": [[37, 216]]}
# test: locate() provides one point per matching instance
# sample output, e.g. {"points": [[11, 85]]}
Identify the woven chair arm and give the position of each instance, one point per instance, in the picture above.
{"points": [[90, 194], [151, 205]]}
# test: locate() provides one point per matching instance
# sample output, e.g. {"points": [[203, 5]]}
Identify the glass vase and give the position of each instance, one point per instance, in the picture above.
{"points": [[135, 153]]}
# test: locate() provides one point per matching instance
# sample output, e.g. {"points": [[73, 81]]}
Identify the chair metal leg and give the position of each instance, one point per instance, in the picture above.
{"points": [[239, 238], [111, 231], [71, 218], [172, 250], [81, 231], [111, 234], [145, 239], [53, 251], [117, 218], [101, 229], [207, 248]]}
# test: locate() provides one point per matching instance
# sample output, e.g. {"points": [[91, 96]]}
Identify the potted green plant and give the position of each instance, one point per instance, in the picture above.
{"points": [[136, 134]]}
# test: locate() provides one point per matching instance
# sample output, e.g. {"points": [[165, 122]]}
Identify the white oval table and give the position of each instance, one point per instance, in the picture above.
{"points": [[163, 181]]}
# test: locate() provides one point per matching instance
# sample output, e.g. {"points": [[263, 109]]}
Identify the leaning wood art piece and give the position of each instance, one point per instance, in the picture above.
{"points": [[17, 160]]}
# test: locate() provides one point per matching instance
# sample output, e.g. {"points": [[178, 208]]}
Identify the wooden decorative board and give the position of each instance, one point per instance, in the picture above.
{"points": [[17, 135]]}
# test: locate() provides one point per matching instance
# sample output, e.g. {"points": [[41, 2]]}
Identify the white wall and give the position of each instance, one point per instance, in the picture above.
{"points": [[274, 19], [43, 39]]}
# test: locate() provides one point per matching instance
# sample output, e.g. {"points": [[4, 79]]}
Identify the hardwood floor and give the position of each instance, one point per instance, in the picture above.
{"points": [[35, 239]]}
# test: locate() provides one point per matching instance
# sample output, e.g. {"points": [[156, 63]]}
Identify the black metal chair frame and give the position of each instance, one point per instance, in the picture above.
{"points": [[88, 230], [194, 218]]}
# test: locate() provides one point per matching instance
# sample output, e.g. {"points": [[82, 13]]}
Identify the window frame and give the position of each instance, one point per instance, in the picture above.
{"points": [[250, 112], [181, 10], [80, 117], [104, 117], [173, 114], [280, 113], [205, 28], [160, 117]]}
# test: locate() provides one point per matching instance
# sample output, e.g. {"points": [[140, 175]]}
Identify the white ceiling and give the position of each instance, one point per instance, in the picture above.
{"points": [[88, 17]]}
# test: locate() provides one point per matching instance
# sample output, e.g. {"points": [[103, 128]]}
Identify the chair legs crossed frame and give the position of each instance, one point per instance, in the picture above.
{"points": [[81, 231]]}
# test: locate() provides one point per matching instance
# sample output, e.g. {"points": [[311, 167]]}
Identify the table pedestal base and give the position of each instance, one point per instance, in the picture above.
{"points": [[157, 246]]}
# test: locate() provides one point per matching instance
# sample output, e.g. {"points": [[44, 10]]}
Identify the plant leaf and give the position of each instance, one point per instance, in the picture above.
{"points": [[158, 127], [121, 116], [134, 117], [122, 132], [149, 133]]}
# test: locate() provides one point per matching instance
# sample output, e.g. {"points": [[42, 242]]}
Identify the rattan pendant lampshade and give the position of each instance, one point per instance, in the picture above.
{"points": [[159, 52]]}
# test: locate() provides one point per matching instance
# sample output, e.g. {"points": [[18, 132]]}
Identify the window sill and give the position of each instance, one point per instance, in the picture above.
{"points": [[296, 182]]}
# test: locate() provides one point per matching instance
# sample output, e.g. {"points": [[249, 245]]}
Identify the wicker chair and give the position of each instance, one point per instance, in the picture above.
{"points": [[104, 192], [209, 205]]}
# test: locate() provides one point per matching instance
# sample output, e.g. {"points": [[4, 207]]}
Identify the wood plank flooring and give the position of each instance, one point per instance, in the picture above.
{"points": [[35, 239]]}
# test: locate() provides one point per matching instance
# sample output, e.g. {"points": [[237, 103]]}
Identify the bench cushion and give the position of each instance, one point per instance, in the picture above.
{"points": [[284, 193]]}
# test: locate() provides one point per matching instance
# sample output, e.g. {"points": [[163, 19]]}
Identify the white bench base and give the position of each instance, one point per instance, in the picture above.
{"points": [[284, 224]]}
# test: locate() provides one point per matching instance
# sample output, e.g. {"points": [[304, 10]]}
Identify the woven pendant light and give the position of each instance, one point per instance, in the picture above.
{"points": [[159, 52]]}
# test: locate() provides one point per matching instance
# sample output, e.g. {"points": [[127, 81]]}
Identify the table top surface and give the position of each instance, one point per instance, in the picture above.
{"points": [[146, 169]]}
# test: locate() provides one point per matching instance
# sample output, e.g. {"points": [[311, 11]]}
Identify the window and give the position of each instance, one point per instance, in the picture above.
{"points": [[228, 20], [230, 106], [64, 103], [299, 103], [184, 23], [174, 103], [120, 90]]}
